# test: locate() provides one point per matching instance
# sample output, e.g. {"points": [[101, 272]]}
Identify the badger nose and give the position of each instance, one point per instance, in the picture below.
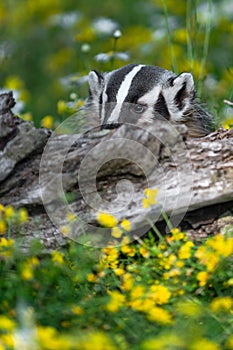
{"points": [[110, 126]]}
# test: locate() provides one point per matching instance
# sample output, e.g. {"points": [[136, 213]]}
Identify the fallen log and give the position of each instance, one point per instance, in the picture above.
{"points": [[65, 178]]}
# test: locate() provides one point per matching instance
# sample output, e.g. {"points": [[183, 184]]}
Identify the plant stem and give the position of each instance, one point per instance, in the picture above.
{"points": [[173, 57], [189, 31], [205, 48], [166, 219]]}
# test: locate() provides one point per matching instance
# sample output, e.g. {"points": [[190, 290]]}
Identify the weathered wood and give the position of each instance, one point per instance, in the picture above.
{"points": [[194, 177]]}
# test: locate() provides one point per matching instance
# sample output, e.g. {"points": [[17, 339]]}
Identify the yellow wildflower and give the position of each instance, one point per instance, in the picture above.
{"points": [[125, 240], [33, 261], [47, 122], [9, 212], [137, 292], [189, 308], [185, 250], [14, 82], [23, 215], [150, 197], [203, 344], [119, 271], [117, 300], [65, 230], [202, 277], [6, 323], [228, 123], [57, 257], [181, 35], [116, 232], [127, 282], [71, 217], [229, 282], [61, 107], [80, 103], [128, 250], [27, 272], [229, 343], [77, 310], [222, 304], [160, 294], [8, 340], [180, 264], [222, 245], [141, 304], [2, 208], [144, 252], [106, 219], [6, 243], [3, 227], [126, 225], [49, 338], [177, 235], [91, 277], [157, 314], [26, 116], [164, 342], [6, 247], [111, 254], [207, 258]]}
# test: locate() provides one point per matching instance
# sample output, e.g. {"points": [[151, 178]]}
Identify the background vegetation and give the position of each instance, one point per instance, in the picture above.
{"points": [[44, 41]]}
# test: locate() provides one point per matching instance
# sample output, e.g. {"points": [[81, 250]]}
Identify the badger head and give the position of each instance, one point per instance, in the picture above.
{"points": [[140, 93]]}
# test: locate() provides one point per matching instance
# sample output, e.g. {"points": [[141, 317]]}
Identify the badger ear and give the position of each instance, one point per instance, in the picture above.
{"points": [[180, 95], [96, 84], [184, 89]]}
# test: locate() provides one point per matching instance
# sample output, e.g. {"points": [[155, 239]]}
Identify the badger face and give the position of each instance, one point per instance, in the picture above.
{"points": [[141, 93]]}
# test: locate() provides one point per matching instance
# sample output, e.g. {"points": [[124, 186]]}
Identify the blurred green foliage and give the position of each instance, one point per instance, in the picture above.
{"points": [[43, 41]]}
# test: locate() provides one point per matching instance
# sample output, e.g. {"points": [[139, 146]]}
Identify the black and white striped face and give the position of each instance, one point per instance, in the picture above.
{"points": [[140, 93]]}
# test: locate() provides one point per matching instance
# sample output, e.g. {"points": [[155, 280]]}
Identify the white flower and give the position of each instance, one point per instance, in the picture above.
{"points": [[104, 25], [85, 48], [117, 34]]}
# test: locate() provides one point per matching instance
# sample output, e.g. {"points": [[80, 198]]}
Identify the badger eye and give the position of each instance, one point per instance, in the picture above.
{"points": [[137, 108]]}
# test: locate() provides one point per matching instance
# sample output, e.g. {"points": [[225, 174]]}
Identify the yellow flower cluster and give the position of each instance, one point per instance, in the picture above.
{"points": [[228, 123], [211, 254], [47, 122], [110, 221], [150, 197], [57, 257], [9, 215], [7, 247], [28, 267]]}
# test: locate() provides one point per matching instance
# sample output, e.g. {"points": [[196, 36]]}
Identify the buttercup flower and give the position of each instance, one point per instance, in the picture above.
{"points": [[150, 197], [107, 220], [202, 277]]}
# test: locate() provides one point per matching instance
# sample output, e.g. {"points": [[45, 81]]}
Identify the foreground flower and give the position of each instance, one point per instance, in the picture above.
{"points": [[150, 197], [117, 301], [126, 225], [57, 257], [159, 315], [160, 294], [47, 122], [107, 220], [222, 304], [116, 232], [204, 344], [202, 277], [3, 227]]}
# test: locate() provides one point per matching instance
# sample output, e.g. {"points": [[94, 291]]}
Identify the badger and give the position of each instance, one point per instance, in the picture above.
{"points": [[138, 93]]}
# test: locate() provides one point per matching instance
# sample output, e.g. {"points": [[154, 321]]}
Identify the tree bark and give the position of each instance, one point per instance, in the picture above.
{"points": [[65, 178]]}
